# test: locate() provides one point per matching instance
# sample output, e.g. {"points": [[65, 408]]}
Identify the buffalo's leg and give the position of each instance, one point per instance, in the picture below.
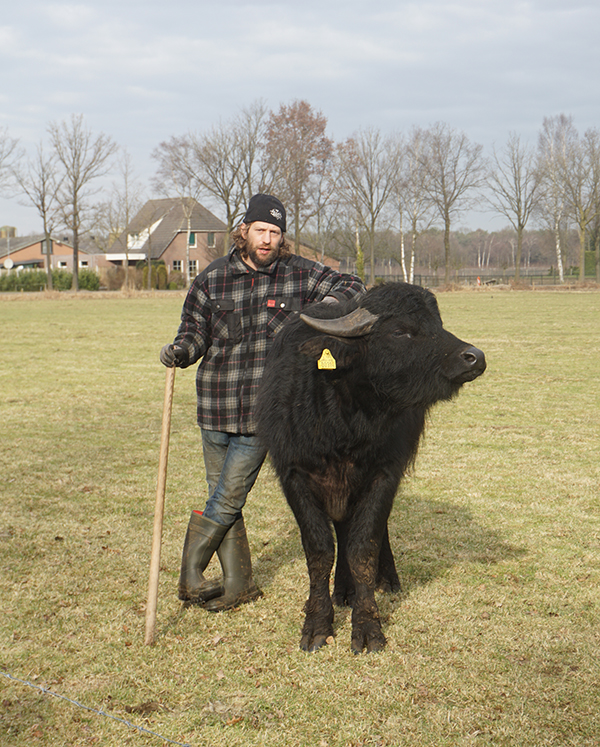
{"points": [[387, 576], [365, 534], [317, 541], [366, 624], [343, 587]]}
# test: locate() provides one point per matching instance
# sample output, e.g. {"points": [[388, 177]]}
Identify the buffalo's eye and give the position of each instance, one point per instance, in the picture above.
{"points": [[401, 333]]}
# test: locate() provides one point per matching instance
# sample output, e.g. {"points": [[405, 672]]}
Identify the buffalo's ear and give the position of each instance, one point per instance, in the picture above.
{"points": [[331, 352]]}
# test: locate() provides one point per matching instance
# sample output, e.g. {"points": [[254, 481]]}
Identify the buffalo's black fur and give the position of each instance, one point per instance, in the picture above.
{"points": [[341, 440]]}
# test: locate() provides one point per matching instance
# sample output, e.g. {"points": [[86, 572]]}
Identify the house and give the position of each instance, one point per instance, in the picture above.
{"points": [[160, 230], [28, 253]]}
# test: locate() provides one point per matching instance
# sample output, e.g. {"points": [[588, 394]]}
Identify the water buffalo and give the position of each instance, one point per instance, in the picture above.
{"points": [[342, 407]]}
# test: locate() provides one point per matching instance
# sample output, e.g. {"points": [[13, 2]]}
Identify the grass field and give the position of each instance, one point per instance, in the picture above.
{"points": [[494, 640]]}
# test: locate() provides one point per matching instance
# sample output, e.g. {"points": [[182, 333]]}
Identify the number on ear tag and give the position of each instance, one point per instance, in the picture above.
{"points": [[326, 361]]}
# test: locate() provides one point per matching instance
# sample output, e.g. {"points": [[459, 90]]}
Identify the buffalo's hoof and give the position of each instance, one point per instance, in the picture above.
{"points": [[306, 644], [367, 636], [387, 580], [388, 586], [315, 635], [343, 597]]}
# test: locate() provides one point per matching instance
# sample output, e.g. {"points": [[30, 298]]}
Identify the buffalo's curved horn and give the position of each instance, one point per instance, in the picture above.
{"points": [[355, 324]]}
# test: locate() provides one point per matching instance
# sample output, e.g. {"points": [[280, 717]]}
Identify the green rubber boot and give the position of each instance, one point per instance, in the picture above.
{"points": [[202, 538], [238, 585]]}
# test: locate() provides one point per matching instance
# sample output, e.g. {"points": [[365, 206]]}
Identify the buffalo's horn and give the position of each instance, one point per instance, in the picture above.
{"points": [[359, 322]]}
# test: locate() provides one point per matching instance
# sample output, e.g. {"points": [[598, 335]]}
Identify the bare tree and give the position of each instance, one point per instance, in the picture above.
{"points": [[454, 168], [225, 164], [175, 174], [553, 140], [581, 178], [322, 229], [483, 250], [125, 198], [414, 200], [9, 157], [250, 126], [301, 154], [38, 180], [229, 161], [83, 158], [370, 164], [222, 166], [595, 234], [513, 181]]}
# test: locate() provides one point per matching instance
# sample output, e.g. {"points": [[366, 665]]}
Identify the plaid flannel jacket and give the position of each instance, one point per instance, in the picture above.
{"points": [[229, 319]]}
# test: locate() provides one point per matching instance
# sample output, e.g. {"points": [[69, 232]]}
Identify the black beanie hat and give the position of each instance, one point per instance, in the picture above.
{"points": [[267, 209]]}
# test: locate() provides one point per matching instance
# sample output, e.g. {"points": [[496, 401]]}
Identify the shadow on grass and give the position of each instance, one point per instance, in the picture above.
{"points": [[427, 538]]}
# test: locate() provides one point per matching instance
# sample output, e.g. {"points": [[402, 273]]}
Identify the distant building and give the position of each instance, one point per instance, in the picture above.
{"points": [[160, 230], [27, 252]]}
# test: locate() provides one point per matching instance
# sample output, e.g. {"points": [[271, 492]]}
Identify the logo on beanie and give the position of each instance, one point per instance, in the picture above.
{"points": [[276, 214]]}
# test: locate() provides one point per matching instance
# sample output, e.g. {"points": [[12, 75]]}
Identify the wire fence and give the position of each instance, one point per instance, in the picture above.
{"points": [[45, 691], [500, 278], [391, 271]]}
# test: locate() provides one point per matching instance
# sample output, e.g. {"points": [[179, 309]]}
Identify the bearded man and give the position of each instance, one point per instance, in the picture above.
{"points": [[231, 313]]}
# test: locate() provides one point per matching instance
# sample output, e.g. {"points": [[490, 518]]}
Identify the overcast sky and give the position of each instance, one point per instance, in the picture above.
{"points": [[142, 70]]}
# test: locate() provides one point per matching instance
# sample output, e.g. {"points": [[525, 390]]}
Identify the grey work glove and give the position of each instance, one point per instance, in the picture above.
{"points": [[174, 355]]}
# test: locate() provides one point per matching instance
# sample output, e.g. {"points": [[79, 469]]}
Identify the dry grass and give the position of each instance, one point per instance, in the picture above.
{"points": [[493, 641]]}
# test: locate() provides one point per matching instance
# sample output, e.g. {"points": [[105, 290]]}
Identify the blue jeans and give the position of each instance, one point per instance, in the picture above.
{"points": [[232, 465]]}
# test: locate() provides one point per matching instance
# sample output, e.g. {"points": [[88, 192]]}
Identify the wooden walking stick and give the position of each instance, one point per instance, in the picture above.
{"points": [[159, 508]]}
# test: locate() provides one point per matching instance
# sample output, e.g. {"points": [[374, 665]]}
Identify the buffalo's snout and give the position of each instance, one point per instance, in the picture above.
{"points": [[474, 360]]}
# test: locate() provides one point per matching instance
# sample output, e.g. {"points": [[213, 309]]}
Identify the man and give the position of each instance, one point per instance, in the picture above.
{"points": [[229, 318]]}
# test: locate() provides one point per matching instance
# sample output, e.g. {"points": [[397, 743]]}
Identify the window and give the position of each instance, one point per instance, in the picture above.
{"points": [[193, 266], [210, 240], [176, 265], [62, 264], [192, 241], [83, 263]]}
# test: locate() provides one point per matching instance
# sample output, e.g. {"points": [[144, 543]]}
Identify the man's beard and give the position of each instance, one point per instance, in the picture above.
{"points": [[261, 260]]}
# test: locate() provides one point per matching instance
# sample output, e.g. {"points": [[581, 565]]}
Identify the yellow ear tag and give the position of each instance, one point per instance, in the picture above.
{"points": [[326, 361]]}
